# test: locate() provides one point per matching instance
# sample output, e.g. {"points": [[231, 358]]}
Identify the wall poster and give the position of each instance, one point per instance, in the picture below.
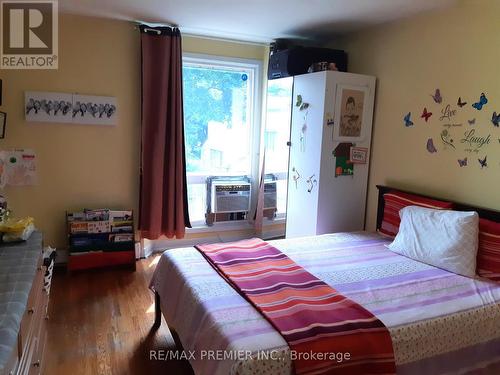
{"points": [[343, 164], [70, 108], [349, 113]]}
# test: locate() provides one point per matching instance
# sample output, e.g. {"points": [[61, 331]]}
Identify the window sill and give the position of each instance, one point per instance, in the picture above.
{"points": [[232, 226], [219, 232]]}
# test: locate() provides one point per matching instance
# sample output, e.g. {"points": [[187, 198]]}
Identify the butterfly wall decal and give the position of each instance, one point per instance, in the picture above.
{"points": [[425, 115], [460, 103], [495, 119], [472, 121], [430, 146], [482, 162], [407, 120], [462, 162], [301, 104], [437, 96], [482, 101]]}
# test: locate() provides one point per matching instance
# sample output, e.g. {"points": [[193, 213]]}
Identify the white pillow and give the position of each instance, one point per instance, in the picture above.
{"points": [[441, 238]]}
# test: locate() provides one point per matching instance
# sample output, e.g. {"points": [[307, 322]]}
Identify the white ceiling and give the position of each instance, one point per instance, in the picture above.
{"points": [[257, 20]]}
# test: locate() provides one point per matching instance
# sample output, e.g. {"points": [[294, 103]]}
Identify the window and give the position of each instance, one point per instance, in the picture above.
{"points": [[216, 159], [277, 134], [221, 123]]}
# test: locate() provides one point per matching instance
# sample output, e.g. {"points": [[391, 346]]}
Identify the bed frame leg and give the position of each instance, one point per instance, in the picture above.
{"points": [[157, 322]]}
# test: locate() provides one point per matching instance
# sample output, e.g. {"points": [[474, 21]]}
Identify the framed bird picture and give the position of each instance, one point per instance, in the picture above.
{"points": [[55, 107], [3, 124]]}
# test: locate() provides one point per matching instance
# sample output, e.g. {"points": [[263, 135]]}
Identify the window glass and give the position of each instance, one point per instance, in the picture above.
{"points": [[277, 134], [218, 107]]}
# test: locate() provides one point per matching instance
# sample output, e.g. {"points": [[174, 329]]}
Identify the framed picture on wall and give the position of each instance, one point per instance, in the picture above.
{"points": [[70, 108], [3, 124], [349, 113]]}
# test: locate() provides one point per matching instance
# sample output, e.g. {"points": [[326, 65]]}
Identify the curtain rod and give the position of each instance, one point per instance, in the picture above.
{"points": [[197, 35], [137, 24]]}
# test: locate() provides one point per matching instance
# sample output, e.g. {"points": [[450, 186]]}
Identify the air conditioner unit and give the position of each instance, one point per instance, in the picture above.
{"points": [[270, 196], [230, 197]]}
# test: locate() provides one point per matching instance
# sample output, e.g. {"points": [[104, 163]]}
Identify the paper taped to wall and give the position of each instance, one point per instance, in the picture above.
{"points": [[18, 167]]}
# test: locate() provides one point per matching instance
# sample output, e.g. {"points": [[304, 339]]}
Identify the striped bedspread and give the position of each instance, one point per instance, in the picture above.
{"points": [[439, 322], [312, 317]]}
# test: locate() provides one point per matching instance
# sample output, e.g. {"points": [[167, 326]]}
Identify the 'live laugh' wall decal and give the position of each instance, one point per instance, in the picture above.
{"points": [[466, 129]]}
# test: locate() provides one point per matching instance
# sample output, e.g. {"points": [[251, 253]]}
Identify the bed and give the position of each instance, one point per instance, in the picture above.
{"points": [[439, 322]]}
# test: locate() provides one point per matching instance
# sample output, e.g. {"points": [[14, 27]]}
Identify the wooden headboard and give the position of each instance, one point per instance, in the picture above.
{"points": [[485, 213]]}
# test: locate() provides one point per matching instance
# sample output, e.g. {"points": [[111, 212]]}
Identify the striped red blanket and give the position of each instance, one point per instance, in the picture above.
{"points": [[326, 332]]}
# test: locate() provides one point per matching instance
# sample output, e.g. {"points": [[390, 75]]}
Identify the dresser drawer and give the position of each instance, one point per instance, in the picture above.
{"points": [[25, 275], [32, 357], [40, 324], [39, 341], [33, 332], [33, 309], [26, 361], [38, 365]]}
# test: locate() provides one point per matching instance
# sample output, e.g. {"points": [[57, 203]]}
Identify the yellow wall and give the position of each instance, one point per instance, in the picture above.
{"points": [[456, 50], [209, 46], [80, 165]]}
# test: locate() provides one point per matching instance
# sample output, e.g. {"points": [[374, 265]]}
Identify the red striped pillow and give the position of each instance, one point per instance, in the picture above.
{"points": [[396, 200], [488, 254]]}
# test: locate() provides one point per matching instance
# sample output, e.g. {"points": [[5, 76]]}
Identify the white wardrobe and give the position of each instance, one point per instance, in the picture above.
{"points": [[329, 108]]}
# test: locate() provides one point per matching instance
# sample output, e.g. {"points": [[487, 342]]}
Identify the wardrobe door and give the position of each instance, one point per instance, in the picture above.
{"points": [[342, 199], [305, 154]]}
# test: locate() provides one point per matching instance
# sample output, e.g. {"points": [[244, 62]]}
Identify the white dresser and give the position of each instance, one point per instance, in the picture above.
{"points": [[24, 298]]}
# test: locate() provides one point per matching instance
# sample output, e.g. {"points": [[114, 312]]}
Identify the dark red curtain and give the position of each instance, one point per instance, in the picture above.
{"points": [[163, 206]]}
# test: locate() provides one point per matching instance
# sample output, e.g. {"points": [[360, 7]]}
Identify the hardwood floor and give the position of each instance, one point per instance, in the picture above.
{"points": [[101, 323]]}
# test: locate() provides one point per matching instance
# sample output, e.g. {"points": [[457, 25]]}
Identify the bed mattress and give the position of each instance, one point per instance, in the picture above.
{"points": [[439, 322]]}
